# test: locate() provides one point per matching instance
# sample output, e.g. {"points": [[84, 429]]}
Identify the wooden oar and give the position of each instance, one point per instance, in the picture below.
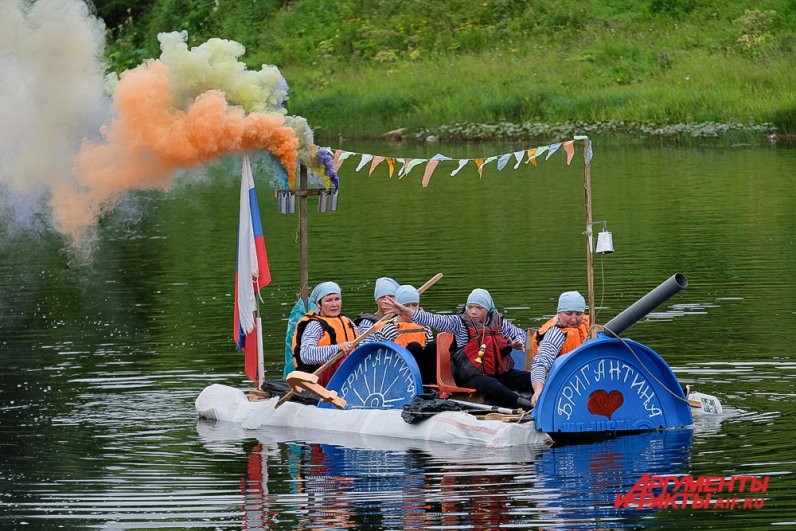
{"points": [[337, 357]]}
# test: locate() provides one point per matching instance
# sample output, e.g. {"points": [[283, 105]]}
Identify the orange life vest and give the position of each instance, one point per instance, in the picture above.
{"points": [[410, 333], [335, 330], [575, 336]]}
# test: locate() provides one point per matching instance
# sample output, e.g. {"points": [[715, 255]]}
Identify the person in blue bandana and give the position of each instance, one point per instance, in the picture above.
{"points": [[419, 340], [385, 289], [562, 334], [481, 354], [323, 332]]}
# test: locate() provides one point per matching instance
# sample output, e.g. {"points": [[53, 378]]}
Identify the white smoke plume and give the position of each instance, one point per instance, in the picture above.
{"points": [[52, 94]]}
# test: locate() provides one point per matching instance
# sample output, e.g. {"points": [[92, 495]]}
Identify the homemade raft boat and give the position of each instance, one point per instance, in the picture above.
{"points": [[608, 386]]}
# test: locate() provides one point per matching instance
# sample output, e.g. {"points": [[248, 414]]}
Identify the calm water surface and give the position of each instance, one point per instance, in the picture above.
{"points": [[102, 361]]}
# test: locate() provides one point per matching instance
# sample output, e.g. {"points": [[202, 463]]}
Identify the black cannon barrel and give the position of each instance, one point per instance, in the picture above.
{"points": [[647, 303]]}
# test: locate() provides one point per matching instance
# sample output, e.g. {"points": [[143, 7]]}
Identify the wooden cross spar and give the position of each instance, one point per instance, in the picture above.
{"points": [[298, 380], [337, 357]]}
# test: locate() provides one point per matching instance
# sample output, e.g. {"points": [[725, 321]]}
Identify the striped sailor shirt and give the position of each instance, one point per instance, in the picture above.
{"points": [[312, 354], [454, 325], [548, 351]]}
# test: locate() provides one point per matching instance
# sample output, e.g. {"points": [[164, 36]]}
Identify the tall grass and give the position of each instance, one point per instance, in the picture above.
{"points": [[365, 101], [362, 67]]}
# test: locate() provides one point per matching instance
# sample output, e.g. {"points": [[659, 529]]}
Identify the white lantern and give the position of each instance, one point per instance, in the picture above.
{"points": [[605, 242]]}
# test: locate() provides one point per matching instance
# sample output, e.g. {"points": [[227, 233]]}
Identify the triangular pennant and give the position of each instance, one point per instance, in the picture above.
{"points": [[403, 162], [339, 158], [531, 156], [570, 150], [376, 161], [553, 149], [537, 152], [518, 155], [391, 164], [440, 156], [480, 164], [430, 167], [462, 162], [411, 164], [365, 159], [503, 160], [336, 158]]}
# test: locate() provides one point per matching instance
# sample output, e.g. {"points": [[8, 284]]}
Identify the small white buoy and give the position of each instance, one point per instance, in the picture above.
{"points": [[707, 403]]}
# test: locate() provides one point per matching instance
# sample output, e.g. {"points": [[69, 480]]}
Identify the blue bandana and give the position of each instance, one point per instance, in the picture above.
{"points": [[384, 286], [407, 294], [482, 298], [322, 290], [571, 301]]}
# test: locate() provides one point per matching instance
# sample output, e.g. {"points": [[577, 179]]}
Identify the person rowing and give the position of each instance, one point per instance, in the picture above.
{"points": [[323, 332], [417, 339], [563, 333], [385, 288], [481, 352]]}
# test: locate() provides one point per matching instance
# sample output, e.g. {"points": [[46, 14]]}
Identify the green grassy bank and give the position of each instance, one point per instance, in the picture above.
{"points": [[358, 68]]}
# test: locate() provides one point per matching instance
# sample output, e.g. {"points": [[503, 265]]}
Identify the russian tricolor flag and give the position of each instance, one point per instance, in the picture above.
{"points": [[252, 272]]}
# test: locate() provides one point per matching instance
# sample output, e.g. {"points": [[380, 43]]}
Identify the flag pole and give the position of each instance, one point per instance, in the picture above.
{"points": [[260, 354], [589, 255], [303, 245]]}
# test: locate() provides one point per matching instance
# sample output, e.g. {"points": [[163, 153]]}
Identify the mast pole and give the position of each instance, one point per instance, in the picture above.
{"points": [[589, 256], [303, 245], [260, 353]]}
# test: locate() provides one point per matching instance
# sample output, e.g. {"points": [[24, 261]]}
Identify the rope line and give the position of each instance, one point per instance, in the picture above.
{"points": [[650, 373]]}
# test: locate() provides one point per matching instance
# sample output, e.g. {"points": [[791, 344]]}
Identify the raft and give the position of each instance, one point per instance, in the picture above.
{"points": [[606, 387], [224, 403]]}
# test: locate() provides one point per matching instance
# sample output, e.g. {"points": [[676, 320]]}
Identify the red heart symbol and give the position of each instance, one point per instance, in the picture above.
{"points": [[602, 403]]}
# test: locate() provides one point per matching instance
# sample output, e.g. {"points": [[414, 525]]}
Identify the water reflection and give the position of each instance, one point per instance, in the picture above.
{"points": [[581, 482], [341, 480], [102, 362], [349, 481]]}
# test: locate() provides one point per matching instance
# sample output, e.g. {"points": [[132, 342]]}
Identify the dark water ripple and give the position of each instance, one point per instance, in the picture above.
{"points": [[103, 362]]}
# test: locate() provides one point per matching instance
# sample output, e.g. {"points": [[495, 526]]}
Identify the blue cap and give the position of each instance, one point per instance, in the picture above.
{"points": [[384, 286], [482, 298], [571, 301], [407, 294], [322, 290]]}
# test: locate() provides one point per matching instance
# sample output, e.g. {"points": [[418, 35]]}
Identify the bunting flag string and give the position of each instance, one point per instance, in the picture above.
{"points": [[529, 156]]}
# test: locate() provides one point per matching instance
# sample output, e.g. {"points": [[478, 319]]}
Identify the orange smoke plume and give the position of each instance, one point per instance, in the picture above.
{"points": [[149, 139]]}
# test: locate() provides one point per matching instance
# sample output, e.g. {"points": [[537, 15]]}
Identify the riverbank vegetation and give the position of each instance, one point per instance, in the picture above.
{"points": [[358, 68]]}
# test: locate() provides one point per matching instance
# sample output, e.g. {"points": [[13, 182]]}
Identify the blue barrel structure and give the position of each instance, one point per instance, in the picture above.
{"points": [[380, 375], [610, 386]]}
